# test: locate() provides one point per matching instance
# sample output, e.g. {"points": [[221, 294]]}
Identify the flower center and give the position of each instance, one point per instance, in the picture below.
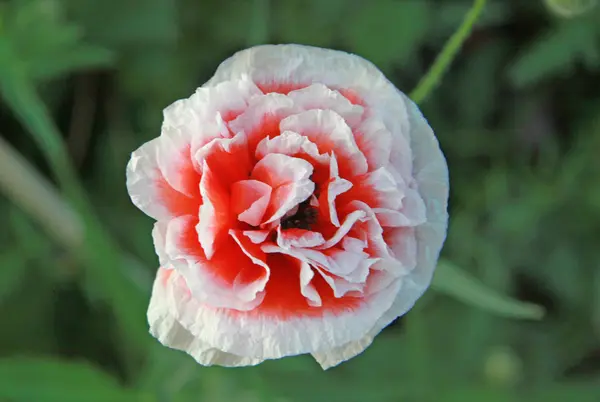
{"points": [[304, 218]]}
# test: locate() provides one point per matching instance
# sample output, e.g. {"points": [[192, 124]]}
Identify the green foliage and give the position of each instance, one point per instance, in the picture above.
{"points": [[557, 51], [403, 25], [516, 115], [450, 280], [46, 380], [46, 45]]}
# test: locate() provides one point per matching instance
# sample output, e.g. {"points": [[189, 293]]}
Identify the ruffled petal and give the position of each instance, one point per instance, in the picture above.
{"points": [[215, 214], [150, 191], [375, 142], [330, 132], [249, 200], [262, 117], [289, 238], [283, 333], [290, 180], [232, 278], [318, 96]]}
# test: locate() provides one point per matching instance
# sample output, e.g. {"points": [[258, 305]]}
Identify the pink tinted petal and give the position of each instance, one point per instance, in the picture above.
{"points": [[262, 117], [149, 190], [249, 200], [290, 179], [378, 189], [330, 132], [318, 96], [215, 215], [296, 145], [344, 228], [403, 245], [291, 144], [174, 159], [375, 142], [412, 212], [203, 116]]}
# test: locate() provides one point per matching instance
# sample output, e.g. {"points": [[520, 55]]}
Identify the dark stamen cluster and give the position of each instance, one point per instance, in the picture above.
{"points": [[304, 218]]}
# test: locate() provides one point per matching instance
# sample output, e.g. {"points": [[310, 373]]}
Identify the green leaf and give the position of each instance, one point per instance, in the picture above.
{"points": [[555, 52], [453, 281], [48, 46], [12, 270], [387, 31], [49, 380]]}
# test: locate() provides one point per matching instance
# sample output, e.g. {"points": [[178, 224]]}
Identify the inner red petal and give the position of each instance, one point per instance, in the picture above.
{"points": [[284, 300], [229, 263], [178, 203]]}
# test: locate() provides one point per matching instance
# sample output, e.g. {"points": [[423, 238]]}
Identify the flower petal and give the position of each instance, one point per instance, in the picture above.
{"points": [[330, 132], [231, 278], [290, 179], [150, 191], [318, 96], [262, 117], [165, 327], [375, 142], [249, 200], [215, 215], [294, 237], [284, 332]]}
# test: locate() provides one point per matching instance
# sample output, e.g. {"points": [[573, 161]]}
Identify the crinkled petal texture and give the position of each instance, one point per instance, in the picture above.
{"points": [[300, 202]]}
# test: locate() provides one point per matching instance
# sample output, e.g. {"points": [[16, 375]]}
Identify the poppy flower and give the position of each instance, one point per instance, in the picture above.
{"points": [[300, 202]]}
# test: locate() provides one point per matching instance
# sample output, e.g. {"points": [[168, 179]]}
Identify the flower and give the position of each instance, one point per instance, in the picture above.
{"points": [[300, 201]]}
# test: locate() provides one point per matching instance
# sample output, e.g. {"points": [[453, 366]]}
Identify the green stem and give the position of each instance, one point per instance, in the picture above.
{"points": [[445, 58], [28, 189]]}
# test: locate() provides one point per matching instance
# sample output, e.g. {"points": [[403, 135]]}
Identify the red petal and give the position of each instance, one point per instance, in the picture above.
{"points": [[284, 300], [249, 200]]}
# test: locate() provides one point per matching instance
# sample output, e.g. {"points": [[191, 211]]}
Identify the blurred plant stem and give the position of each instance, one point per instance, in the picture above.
{"points": [[97, 250], [28, 189], [443, 61]]}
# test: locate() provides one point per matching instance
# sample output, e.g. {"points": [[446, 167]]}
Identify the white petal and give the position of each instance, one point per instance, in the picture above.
{"points": [[290, 179], [290, 143], [330, 132], [165, 327], [298, 238], [318, 96], [431, 172], [375, 142], [147, 187], [230, 331]]}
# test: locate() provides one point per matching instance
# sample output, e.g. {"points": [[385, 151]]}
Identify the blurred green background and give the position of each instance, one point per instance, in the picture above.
{"points": [[517, 115]]}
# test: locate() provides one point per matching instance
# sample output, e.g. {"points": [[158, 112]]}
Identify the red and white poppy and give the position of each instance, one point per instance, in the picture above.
{"points": [[300, 203]]}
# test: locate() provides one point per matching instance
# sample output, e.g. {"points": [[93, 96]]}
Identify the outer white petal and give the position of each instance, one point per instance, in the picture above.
{"points": [[299, 64], [165, 327], [431, 173], [263, 337], [143, 178]]}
